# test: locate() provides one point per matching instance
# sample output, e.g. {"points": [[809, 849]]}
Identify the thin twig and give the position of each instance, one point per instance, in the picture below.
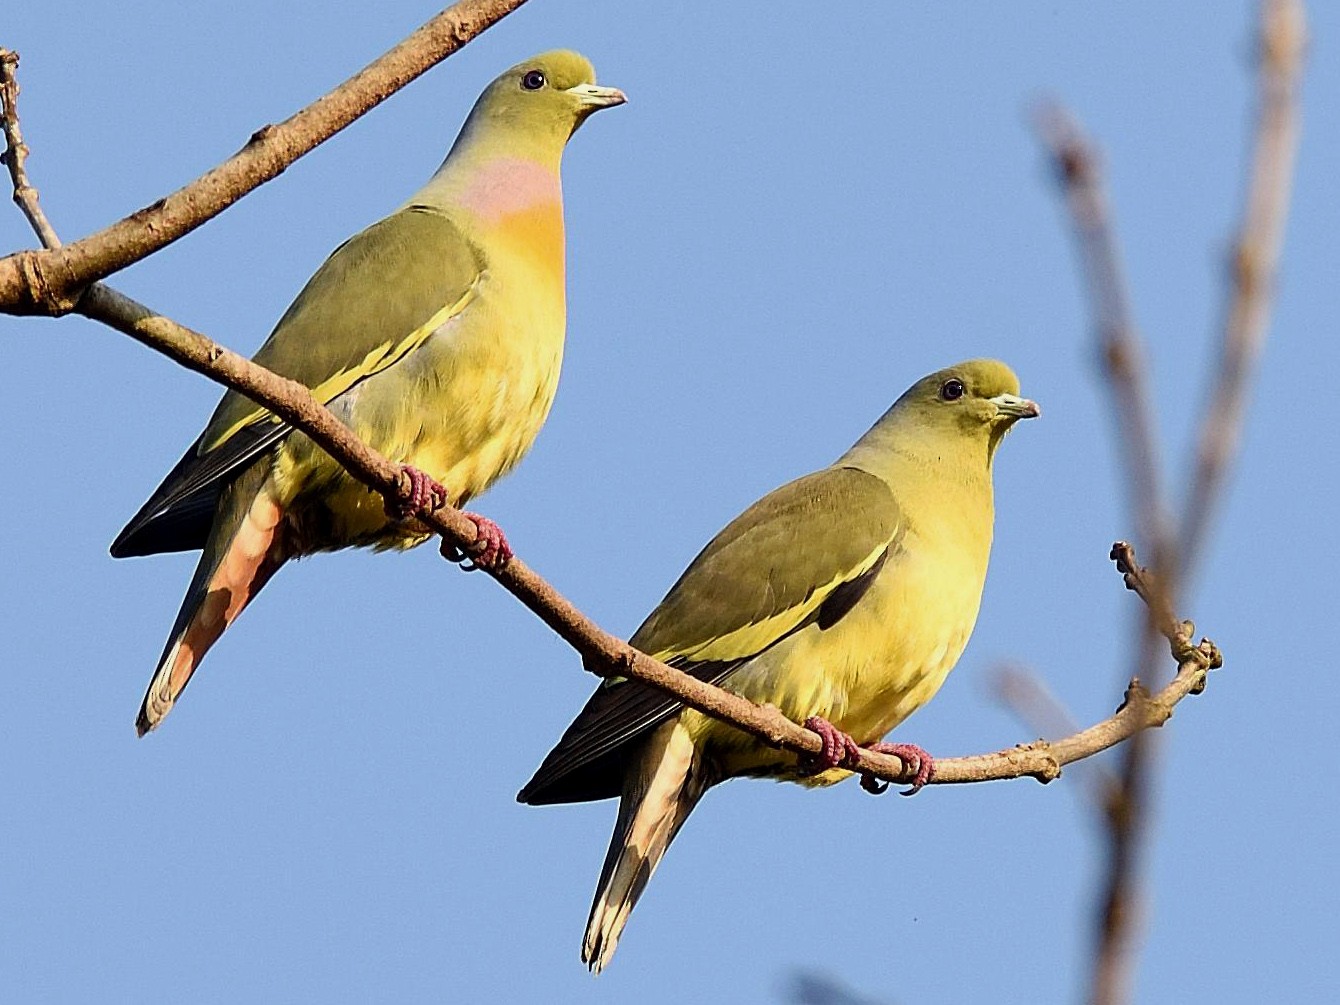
{"points": [[1253, 263], [604, 653], [50, 282], [16, 151], [1194, 661]]}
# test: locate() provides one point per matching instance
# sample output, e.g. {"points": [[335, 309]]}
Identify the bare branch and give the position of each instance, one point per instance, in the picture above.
{"points": [[1253, 263], [1125, 804], [1138, 711], [50, 282], [603, 653]]}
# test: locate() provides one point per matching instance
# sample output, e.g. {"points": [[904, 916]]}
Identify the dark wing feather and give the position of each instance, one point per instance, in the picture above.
{"points": [[584, 764], [775, 569], [178, 515], [846, 596]]}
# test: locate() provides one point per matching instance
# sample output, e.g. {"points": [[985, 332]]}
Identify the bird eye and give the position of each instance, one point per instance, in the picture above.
{"points": [[952, 389], [533, 80]]}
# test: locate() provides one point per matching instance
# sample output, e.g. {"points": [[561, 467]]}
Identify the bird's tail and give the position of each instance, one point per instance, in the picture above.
{"points": [[657, 798], [241, 554]]}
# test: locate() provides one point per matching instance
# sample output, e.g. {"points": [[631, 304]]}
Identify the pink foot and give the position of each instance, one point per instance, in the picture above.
{"points": [[839, 748], [424, 494], [912, 756], [489, 551]]}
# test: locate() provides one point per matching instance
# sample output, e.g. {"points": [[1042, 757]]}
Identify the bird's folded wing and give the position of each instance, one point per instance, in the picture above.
{"points": [[376, 299], [803, 554]]}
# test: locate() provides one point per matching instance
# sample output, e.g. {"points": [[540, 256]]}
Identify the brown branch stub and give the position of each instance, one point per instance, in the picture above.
{"points": [[1155, 595], [53, 279]]}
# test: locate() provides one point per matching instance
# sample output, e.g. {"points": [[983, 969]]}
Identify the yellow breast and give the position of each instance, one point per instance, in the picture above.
{"points": [[867, 673], [464, 408]]}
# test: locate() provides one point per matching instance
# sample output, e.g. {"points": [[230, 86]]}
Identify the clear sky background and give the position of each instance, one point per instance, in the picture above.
{"points": [[800, 211]]}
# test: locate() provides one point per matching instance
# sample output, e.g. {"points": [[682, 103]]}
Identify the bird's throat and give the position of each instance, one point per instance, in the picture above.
{"points": [[510, 186], [520, 202]]}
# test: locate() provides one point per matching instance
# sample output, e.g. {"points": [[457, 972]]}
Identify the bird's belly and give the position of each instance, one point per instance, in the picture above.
{"points": [[865, 675], [464, 409]]}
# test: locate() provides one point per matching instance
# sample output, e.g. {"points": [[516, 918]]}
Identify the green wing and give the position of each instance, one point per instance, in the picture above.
{"points": [[801, 555], [772, 567], [377, 298]]}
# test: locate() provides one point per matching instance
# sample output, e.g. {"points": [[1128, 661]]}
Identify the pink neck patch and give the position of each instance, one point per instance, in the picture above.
{"points": [[509, 185]]}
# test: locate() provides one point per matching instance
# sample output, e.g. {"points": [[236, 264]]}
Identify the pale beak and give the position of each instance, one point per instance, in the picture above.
{"points": [[1016, 407], [593, 96]]}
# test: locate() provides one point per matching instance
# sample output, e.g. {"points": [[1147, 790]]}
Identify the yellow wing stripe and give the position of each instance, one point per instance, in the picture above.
{"points": [[758, 635], [379, 358]]}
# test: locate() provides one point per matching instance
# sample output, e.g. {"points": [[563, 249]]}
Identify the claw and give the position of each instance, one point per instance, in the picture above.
{"points": [[875, 786], [922, 763], [490, 549]]}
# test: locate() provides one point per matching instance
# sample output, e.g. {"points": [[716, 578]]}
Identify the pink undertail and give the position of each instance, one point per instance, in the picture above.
{"points": [[251, 558]]}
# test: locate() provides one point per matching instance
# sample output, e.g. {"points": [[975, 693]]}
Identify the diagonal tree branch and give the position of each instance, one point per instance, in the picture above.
{"points": [[51, 281], [604, 653]]}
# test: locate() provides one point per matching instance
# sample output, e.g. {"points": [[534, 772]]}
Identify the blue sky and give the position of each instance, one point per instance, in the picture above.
{"points": [[795, 216]]}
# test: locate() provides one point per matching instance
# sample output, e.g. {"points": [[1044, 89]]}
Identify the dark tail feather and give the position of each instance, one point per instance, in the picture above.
{"points": [[661, 791]]}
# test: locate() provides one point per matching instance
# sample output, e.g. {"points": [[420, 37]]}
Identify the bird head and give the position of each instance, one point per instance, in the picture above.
{"points": [[976, 402], [532, 109]]}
